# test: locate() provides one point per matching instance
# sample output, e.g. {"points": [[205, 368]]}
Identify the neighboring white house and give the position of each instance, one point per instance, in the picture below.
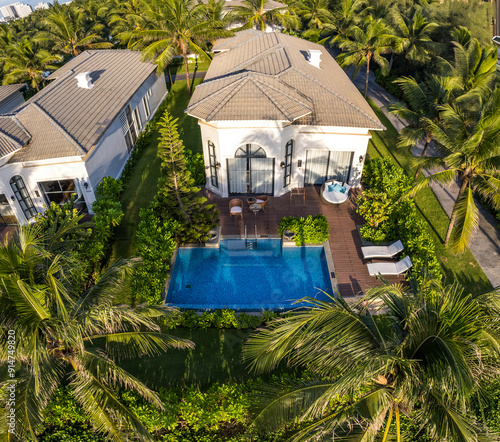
{"points": [[277, 112], [77, 130], [10, 97]]}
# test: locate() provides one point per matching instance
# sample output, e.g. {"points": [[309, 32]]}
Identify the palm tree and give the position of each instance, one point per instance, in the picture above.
{"points": [[65, 337], [25, 60], [364, 43], [422, 101], [125, 17], [70, 31], [473, 69], [469, 138], [175, 26], [424, 357], [346, 16], [414, 37], [257, 13]]}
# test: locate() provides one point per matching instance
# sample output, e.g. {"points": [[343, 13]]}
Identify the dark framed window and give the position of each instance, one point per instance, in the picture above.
{"points": [[145, 101], [128, 128], [250, 151], [58, 191], [212, 156], [22, 196], [288, 163]]}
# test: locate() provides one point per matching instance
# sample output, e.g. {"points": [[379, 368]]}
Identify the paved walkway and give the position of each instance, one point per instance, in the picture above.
{"points": [[485, 244]]}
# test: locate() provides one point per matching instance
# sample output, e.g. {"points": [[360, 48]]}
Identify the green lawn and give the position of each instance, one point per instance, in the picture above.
{"points": [[142, 186], [216, 358], [462, 268], [178, 67]]}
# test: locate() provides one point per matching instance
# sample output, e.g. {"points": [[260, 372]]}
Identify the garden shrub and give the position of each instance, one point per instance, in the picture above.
{"points": [[310, 230], [155, 245], [196, 166], [389, 217]]}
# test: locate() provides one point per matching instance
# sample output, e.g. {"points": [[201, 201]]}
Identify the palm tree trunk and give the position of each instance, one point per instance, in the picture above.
{"points": [[454, 212], [186, 65], [367, 73], [169, 75], [426, 146]]}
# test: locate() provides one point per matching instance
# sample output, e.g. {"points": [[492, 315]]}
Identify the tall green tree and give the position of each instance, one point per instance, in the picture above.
{"points": [[64, 336], [26, 60], [69, 30], [469, 139], [366, 42], [258, 14], [414, 34], [422, 101], [174, 27], [423, 352], [178, 198]]}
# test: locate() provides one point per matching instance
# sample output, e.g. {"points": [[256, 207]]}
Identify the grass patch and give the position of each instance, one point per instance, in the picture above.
{"points": [[216, 358], [462, 268], [194, 66], [142, 186]]}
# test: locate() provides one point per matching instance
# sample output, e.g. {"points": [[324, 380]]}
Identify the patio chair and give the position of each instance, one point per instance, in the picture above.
{"points": [[262, 200], [390, 268], [390, 251], [236, 207]]}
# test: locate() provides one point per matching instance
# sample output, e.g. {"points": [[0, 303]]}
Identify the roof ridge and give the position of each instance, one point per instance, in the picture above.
{"points": [[255, 58], [345, 100], [59, 128], [289, 96], [10, 139], [13, 116], [269, 98], [242, 74], [242, 83]]}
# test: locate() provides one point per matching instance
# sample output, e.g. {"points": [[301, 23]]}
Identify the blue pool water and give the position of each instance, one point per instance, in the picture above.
{"points": [[240, 279]]}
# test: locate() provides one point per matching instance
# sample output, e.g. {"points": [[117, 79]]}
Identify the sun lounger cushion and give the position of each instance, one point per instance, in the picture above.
{"points": [[382, 251], [389, 268]]}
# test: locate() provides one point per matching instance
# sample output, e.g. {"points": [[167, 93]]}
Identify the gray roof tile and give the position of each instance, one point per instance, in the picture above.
{"points": [[278, 59], [8, 90], [12, 135]]}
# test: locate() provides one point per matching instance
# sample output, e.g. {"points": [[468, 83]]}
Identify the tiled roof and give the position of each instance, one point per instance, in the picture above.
{"points": [[278, 62], [75, 116], [8, 90], [269, 5], [12, 135]]}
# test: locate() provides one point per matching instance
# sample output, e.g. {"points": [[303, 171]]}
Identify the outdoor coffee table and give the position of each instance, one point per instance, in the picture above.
{"points": [[255, 208]]}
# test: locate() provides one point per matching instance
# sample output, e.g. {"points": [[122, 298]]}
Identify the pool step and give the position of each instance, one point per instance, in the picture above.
{"points": [[251, 244]]}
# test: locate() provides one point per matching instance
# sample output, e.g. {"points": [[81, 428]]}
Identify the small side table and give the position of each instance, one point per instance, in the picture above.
{"points": [[255, 208], [298, 191]]}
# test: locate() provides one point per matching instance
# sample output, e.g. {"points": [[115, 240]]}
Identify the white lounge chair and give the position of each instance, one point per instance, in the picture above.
{"points": [[390, 251], [390, 268], [335, 197]]}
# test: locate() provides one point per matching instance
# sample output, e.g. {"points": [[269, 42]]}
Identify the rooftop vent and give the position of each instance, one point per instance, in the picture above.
{"points": [[84, 80], [314, 57]]}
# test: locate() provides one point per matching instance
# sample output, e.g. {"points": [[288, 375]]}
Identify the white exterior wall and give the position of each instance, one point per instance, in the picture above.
{"points": [[33, 173], [110, 155], [272, 137], [15, 100]]}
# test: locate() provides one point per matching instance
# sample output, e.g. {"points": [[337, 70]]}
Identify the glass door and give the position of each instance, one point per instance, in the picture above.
{"points": [[238, 175], [322, 165]]}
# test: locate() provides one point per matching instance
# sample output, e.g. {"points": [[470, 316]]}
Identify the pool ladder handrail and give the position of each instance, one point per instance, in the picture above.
{"points": [[249, 243]]}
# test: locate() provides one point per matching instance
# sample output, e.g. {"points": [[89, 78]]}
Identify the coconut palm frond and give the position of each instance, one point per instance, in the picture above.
{"points": [[467, 220]]}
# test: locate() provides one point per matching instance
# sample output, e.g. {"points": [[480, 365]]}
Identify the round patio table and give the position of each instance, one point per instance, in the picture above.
{"points": [[255, 208]]}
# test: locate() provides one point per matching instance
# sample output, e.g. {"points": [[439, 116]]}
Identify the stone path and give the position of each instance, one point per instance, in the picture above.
{"points": [[485, 244]]}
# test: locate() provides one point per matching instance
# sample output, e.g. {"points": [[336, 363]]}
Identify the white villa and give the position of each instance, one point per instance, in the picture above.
{"points": [[77, 130], [277, 112]]}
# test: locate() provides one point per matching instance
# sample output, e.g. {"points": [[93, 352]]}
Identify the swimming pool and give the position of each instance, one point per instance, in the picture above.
{"points": [[233, 277]]}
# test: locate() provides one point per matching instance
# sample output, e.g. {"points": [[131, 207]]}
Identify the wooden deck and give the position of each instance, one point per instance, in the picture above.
{"points": [[345, 242]]}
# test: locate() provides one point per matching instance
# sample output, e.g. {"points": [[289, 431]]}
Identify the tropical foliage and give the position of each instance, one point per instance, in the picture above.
{"points": [[426, 356], [66, 335]]}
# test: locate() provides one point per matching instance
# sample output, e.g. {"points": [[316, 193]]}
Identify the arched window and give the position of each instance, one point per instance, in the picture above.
{"points": [[288, 163], [212, 157], [250, 151], [23, 197]]}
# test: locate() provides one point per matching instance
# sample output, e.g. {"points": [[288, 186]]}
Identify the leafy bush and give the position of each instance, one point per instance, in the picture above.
{"points": [[310, 230], [155, 245], [389, 217], [196, 166]]}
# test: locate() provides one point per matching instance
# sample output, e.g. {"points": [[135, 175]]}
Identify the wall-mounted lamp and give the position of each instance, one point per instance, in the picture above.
{"points": [[361, 158], [282, 165], [217, 165], [299, 163], [12, 198], [86, 185]]}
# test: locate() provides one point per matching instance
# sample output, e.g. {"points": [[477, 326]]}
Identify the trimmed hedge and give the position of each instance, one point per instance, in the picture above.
{"points": [[310, 230]]}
